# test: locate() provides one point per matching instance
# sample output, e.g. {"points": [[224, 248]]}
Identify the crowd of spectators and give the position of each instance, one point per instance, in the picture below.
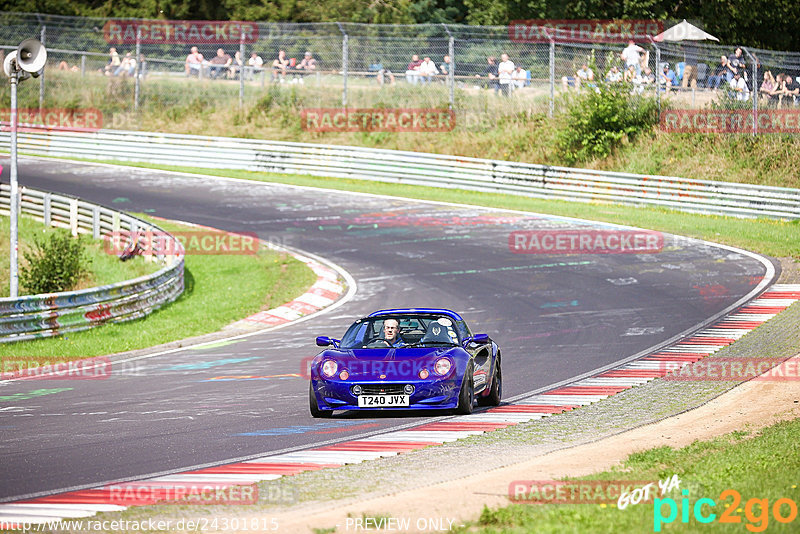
{"points": [[731, 75], [630, 67], [222, 65]]}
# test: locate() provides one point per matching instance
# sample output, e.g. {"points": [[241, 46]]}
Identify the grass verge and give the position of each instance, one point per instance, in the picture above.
{"points": [[761, 468], [259, 282], [103, 268], [766, 236]]}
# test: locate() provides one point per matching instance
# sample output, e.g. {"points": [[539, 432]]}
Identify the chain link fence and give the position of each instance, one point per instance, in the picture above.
{"points": [[127, 68]]}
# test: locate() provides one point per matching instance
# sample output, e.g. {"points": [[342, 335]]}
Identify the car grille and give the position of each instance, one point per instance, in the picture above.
{"points": [[382, 389]]}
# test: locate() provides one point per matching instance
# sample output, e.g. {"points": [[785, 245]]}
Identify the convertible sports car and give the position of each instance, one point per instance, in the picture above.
{"points": [[406, 359]]}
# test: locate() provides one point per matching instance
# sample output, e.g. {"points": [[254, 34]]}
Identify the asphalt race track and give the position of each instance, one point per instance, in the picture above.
{"points": [[554, 317]]}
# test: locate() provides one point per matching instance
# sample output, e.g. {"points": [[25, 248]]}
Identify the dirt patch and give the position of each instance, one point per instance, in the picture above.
{"points": [[750, 406]]}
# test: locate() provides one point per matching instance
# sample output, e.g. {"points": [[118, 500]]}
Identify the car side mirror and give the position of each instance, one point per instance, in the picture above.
{"points": [[324, 341], [481, 339]]}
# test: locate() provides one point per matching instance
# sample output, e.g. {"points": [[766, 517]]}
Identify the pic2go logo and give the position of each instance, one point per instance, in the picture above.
{"points": [[756, 511]]}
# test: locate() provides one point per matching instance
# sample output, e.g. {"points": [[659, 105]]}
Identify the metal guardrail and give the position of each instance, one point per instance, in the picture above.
{"points": [[45, 315], [525, 179]]}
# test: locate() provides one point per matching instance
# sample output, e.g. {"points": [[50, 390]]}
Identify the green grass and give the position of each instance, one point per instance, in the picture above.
{"points": [[767, 236], [104, 268], [220, 289], [763, 466]]}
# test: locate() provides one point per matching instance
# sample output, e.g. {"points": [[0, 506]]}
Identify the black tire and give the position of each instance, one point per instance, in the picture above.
{"points": [[496, 392], [314, 407], [466, 397]]}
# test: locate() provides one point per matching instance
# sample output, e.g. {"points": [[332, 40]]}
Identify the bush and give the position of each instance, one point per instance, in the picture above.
{"points": [[599, 120], [54, 264]]}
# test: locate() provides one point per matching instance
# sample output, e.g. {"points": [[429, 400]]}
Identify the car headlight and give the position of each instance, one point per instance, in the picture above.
{"points": [[442, 366], [328, 368]]}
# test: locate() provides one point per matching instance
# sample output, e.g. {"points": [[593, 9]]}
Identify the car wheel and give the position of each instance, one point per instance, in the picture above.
{"points": [[496, 392], [312, 403], [466, 396]]}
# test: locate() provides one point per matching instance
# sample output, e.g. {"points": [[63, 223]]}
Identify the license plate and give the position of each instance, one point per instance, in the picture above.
{"points": [[380, 401]]}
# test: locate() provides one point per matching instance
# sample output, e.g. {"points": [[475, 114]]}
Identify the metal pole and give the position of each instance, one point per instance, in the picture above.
{"points": [[552, 75], [83, 65], [657, 72], [344, 69], [451, 72], [41, 78], [755, 91], [137, 69], [241, 72], [14, 193]]}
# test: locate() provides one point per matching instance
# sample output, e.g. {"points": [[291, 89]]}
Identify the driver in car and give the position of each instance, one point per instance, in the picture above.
{"points": [[391, 332]]}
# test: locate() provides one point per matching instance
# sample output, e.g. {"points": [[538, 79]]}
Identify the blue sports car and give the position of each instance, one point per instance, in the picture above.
{"points": [[406, 359]]}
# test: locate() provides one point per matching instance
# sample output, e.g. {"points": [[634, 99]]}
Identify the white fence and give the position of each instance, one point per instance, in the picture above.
{"points": [[52, 314], [525, 179]]}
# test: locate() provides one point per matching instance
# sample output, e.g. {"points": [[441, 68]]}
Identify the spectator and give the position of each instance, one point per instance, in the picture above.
{"points": [[715, 80], [630, 74], [768, 87], [777, 94], [63, 65], [648, 77], [446, 66], [583, 75], [254, 64], [736, 64], [690, 66], [220, 63], [235, 68], [194, 62], [385, 74], [505, 70], [127, 66], [631, 55], [614, 75], [519, 78], [412, 71], [279, 66], [791, 91], [427, 70], [491, 74], [739, 87], [113, 62], [308, 64], [667, 78]]}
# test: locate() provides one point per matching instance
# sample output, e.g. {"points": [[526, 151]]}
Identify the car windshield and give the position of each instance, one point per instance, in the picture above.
{"points": [[402, 330]]}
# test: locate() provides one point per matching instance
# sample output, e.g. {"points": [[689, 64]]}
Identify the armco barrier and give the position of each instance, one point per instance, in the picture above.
{"points": [[46, 315], [526, 179]]}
